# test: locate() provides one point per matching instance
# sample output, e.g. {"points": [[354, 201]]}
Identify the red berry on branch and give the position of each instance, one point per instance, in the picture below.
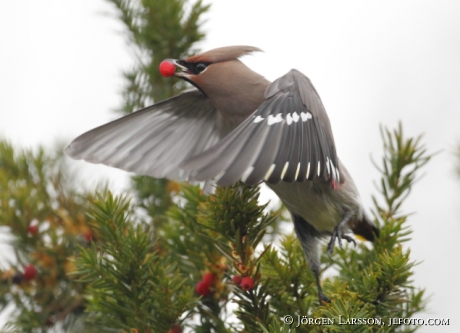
{"points": [[49, 322], [208, 278], [176, 328], [88, 236], [167, 68], [247, 283], [32, 229], [237, 279], [30, 272], [202, 288]]}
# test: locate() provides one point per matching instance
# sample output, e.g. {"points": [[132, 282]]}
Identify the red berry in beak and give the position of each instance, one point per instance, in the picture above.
{"points": [[167, 68]]}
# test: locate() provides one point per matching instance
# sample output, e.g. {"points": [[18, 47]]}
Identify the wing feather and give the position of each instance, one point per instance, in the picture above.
{"points": [[288, 138], [156, 140]]}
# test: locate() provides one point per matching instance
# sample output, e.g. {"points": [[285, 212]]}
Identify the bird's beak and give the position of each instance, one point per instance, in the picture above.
{"points": [[181, 70]]}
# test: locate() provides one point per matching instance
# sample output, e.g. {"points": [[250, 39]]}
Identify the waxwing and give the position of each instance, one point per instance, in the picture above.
{"points": [[237, 126]]}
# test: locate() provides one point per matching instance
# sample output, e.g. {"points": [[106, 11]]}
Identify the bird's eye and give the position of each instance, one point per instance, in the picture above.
{"points": [[194, 68], [201, 67]]}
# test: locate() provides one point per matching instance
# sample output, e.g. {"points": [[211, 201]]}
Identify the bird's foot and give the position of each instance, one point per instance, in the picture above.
{"points": [[339, 235], [323, 298]]}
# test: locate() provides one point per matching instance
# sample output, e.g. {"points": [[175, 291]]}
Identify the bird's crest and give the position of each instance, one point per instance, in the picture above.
{"points": [[223, 54]]}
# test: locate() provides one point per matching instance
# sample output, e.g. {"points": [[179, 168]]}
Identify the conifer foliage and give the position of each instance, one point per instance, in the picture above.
{"points": [[44, 219], [207, 268], [190, 262]]}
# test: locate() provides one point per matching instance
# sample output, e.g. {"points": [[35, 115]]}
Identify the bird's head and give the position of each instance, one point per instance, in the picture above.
{"points": [[221, 76]]}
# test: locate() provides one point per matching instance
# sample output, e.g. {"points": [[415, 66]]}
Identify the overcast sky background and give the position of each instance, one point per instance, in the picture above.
{"points": [[372, 62]]}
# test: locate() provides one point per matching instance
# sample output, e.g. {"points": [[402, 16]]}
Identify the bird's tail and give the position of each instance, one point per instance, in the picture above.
{"points": [[365, 228]]}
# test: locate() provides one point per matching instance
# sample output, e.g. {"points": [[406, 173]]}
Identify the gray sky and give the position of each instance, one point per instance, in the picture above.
{"points": [[372, 63]]}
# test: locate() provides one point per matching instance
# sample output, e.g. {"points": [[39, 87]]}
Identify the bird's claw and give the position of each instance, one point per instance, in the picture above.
{"points": [[349, 240], [339, 235]]}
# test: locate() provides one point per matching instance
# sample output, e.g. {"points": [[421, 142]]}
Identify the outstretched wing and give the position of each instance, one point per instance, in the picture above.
{"points": [[288, 138], [154, 141]]}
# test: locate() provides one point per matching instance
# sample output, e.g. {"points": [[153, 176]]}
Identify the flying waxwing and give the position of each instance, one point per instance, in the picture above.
{"points": [[238, 126]]}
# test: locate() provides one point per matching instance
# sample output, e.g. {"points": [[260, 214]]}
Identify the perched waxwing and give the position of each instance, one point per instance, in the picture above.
{"points": [[237, 126]]}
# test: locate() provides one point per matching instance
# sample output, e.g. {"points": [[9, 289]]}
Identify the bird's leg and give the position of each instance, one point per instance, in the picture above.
{"points": [[322, 298], [339, 235], [309, 240]]}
